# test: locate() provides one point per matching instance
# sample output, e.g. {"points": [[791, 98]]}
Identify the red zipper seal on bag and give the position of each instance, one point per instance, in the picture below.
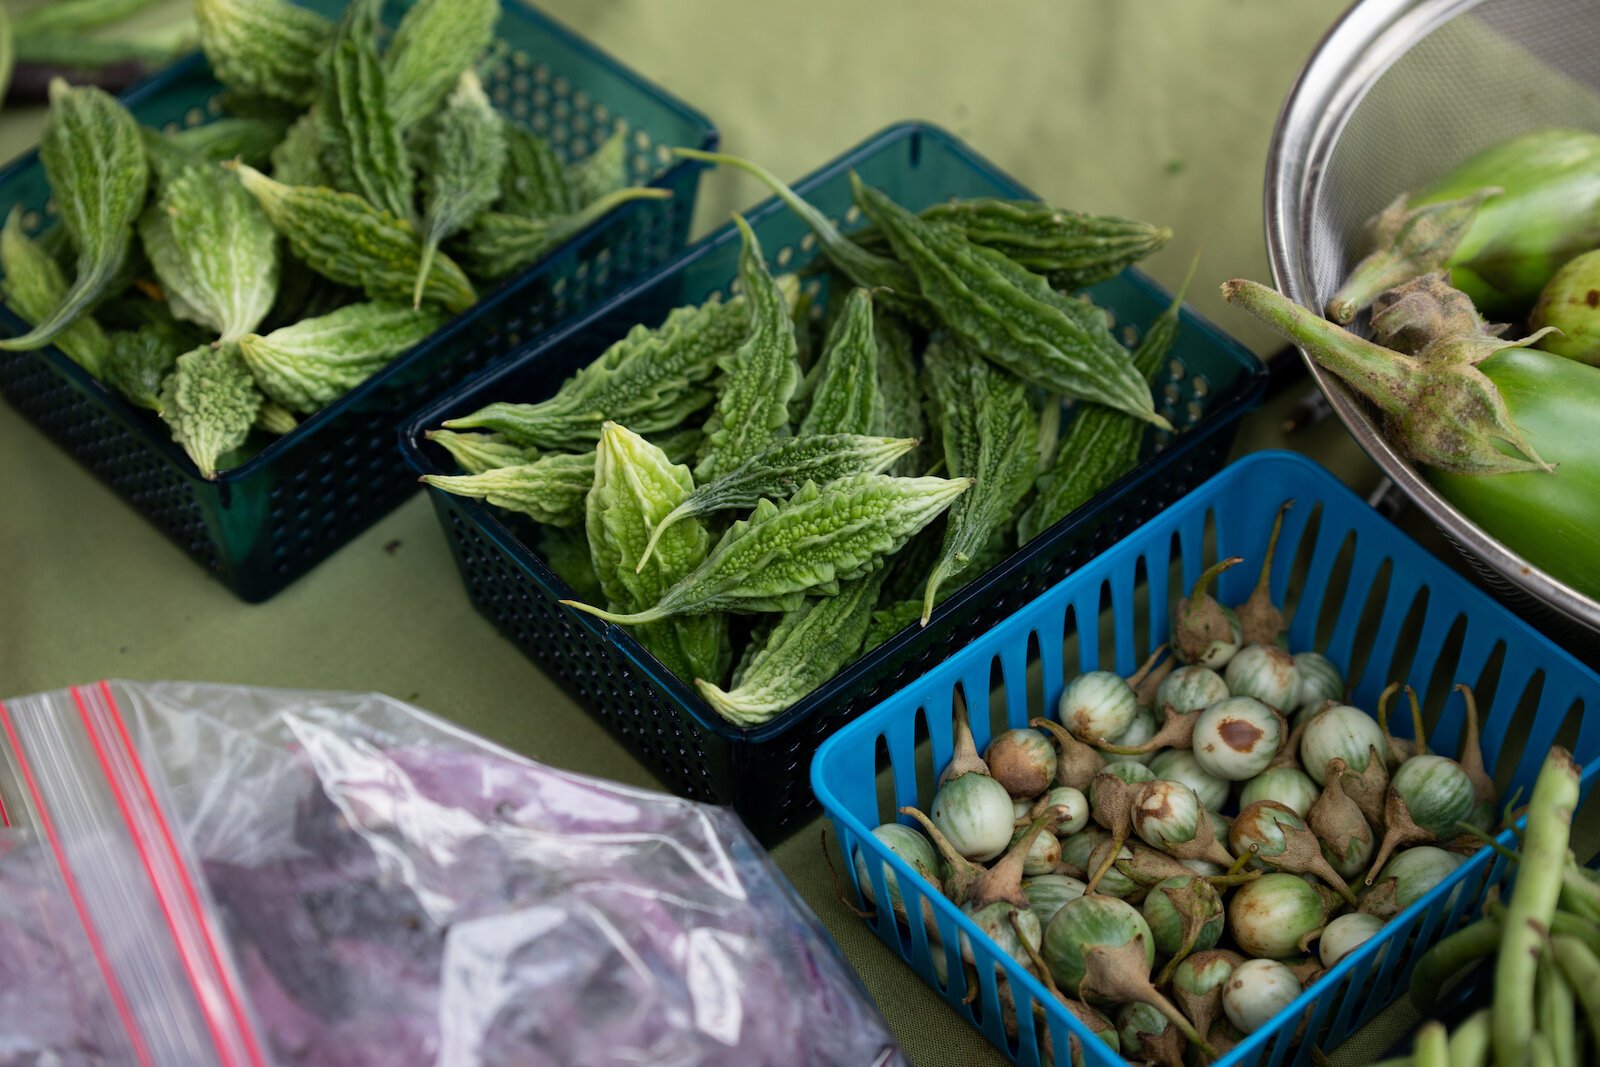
{"points": [[96, 946], [212, 981]]}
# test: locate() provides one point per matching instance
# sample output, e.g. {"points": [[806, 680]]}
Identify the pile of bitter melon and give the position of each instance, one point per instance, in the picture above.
{"points": [[228, 300], [715, 466]]}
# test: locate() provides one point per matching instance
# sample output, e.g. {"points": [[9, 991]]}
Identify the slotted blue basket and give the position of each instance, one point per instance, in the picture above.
{"points": [[1367, 596]]}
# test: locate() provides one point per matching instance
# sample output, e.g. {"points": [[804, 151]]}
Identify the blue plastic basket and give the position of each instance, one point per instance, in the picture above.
{"points": [[1371, 599], [262, 524], [1210, 382]]}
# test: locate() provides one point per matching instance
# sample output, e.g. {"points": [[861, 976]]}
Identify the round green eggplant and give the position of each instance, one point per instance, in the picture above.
{"points": [[1571, 304]]}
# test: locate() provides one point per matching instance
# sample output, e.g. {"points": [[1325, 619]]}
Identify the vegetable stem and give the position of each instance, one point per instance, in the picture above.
{"points": [[1449, 957], [1433, 1046], [1469, 1045], [1580, 966], [1532, 907]]}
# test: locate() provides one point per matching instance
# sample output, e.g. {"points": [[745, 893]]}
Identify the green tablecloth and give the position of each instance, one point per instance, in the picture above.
{"points": [[1157, 109]]}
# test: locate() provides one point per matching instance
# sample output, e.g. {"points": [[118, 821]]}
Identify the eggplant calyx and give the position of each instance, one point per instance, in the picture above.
{"points": [[1408, 242]]}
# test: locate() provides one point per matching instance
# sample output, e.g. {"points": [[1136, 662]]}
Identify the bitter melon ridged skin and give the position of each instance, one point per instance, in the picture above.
{"points": [[214, 250], [249, 139], [466, 153], [846, 398], [807, 647], [479, 452], [535, 182], [903, 414], [139, 363], [297, 159], [605, 170], [345, 239], [1010, 315], [551, 489], [778, 470], [210, 403], [263, 47], [306, 366], [1100, 445], [499, 244], [362, 145], [990, 433], [650, 381], [1072, 249], [94, 159], [34, 287], [805, 546], [435, 42], [758, 379], [635, 486]]}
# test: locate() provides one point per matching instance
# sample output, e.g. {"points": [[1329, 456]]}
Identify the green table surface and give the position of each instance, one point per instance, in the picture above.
{"points": [[1158, 109]]}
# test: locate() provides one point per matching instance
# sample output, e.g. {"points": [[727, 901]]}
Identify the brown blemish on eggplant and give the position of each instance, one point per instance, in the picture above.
{"points": [[1240, 735], [1594, 298]]}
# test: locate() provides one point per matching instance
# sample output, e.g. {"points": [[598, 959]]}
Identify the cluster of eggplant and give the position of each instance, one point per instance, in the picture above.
{"points": [[1093, 849]]}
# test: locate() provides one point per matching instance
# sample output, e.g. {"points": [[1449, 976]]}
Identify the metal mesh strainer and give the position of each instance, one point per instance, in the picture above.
{"points": [[1398, 92]]}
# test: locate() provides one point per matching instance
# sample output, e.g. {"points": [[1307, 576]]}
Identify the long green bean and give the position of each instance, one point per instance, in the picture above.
{"points": [[1433, 1046], [1581, 968], [1448, 957], [1469, 1045], [1531, 910]]}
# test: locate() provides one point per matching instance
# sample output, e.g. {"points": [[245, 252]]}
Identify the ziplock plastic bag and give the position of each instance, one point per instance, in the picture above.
{"points": [[208, 875]]}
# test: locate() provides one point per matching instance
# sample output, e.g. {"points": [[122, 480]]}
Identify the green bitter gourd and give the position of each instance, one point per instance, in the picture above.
{"points": [[990, 433], [758, 379], [635, 486], [306, 366], [94, 159], [846, 397], [35, 286], [462, 165], [817, 539]]}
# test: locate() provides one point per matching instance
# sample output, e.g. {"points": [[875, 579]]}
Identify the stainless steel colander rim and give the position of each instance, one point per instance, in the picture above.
{"points": [[1365, 42]]}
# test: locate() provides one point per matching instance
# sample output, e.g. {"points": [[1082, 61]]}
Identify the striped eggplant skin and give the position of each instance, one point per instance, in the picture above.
{"points": [[1167, 921], [1098, 705], [1342, 732], [1317, 679], [1437, 792], [974, 813], [1191, 687], [1264, 672], [1289, 786], [907, 843]]}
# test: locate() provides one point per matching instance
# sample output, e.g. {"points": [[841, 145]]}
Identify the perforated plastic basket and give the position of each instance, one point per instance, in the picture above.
{"points": [[760, 772], [264, 523], [1359, 590]]}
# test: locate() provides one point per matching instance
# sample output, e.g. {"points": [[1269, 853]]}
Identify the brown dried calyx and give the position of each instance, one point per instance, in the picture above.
{"points": [[1260, 621], [1398, 832], [1302, 852], [1334, 817], [1410, 317], [1003, 881], [1200, 621], [1407, 243], [1076, 762], [964, 758], [1289, 754], [1117, 974], [1112, 809], [1369, 788], [1206, 1008], [1176, 731]]}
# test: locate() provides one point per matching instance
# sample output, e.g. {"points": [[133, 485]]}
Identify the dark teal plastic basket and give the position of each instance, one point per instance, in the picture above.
{"points": [[1368, 597], [262, 524], [761, 772]]}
